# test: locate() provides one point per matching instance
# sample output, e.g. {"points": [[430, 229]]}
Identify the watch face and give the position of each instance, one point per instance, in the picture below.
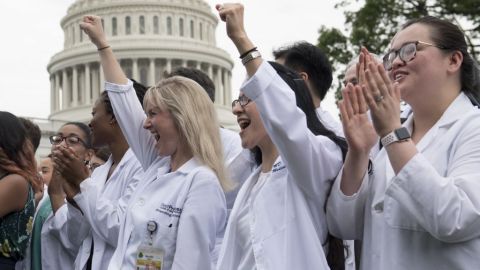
{"points": [[402, 133]]}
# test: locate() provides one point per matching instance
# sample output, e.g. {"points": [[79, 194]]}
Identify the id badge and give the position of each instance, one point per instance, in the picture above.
{"points": [[149, 258]]}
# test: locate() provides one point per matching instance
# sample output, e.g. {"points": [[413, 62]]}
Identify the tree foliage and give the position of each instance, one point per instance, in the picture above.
{"points": [[375, 23]]}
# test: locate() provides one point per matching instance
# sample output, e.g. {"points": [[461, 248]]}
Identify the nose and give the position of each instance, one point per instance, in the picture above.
{"points": [[147, 124], [237, 109], [397, 62]]}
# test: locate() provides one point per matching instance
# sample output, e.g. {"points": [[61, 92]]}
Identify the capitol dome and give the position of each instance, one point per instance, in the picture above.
{"points": [[150, 38]]}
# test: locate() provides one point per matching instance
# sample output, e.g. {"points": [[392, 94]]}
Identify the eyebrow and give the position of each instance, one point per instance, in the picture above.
{"points": [[411, 41]]}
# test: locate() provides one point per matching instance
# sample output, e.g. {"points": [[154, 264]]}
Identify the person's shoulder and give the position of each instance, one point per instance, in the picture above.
{"points": [[15, 183]]}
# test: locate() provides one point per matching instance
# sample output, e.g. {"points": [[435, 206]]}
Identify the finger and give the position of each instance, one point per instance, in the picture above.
{"points": [[361, 69], [396, 91], [372, 87], [386, 79], [343, 113], [348, 101], [372, 104], [362, 104], [354, 100], [382, 85]]}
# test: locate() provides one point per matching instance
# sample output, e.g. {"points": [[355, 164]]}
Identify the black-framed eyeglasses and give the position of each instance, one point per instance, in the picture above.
{"points": [[69, 140], [406, 53], [242, 100]]}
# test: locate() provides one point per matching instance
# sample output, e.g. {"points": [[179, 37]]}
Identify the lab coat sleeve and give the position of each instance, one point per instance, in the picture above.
{"points": [[345, 214], [58, 226], [103, 215], [201, 223], [131, 117], [313, 161], [447, 207]]}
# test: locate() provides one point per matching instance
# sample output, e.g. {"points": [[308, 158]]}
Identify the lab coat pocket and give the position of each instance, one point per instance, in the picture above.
{"points": [[398, 218]]}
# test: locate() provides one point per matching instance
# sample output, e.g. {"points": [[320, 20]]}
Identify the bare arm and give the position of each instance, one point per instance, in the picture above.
{"points": [[92, 25], [13, 194]]}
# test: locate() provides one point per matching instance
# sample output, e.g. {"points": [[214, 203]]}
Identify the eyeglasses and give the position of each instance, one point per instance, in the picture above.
{"points": [[70, 140], [407, 53], [243, 100]]}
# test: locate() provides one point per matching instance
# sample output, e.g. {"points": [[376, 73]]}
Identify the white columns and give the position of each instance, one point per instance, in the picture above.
{"points": [[228, 88], [65, 97], [169, 65], [101, 83], [58, 102], [151, 72], [199, 65], [52, 93], [74, 86], [218, 86], [135, 70], [210, 71], [88, 96], [184, 63]]}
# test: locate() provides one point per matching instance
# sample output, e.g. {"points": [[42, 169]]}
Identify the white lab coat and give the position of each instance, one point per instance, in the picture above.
{"points": [[238, 162], [288, 225], [428, 215], [103, 204], [188, 205], [329, 122], [58, 248]]}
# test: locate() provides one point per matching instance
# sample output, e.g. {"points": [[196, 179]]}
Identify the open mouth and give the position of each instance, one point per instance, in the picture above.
{"points": [[243, 123], [399, 75]]}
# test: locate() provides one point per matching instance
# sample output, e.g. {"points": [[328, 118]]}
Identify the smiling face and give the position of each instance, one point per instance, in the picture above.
{"points": [[420, 78], [162, 126], [252, 131], [100, 124]]}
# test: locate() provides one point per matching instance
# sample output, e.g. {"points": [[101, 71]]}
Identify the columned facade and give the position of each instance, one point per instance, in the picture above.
{"points": [[150, 38]]}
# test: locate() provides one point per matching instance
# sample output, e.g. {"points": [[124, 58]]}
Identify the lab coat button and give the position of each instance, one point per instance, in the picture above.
{"points": [[378, 207], [141, 202]]}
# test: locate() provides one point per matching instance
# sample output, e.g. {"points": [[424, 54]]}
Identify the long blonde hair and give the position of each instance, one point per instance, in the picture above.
{"points": [[195, 118]]}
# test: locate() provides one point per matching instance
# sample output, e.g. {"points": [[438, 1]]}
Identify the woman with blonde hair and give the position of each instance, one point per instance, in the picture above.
{"points": [[18, 181], [177, 212]]}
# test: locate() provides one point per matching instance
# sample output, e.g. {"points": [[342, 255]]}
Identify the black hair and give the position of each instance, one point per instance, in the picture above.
{"points": [[198, 76], [13, 135], [280, 52], [305, 57], [140, 91], [449, 37], [33, 132], [16, 150], [85, 129]]}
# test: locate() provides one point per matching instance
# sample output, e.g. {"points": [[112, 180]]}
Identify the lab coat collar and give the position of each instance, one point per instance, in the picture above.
{"points": [[457, 109]]}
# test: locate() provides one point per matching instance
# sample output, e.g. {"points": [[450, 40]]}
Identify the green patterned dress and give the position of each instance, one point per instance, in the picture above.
{"points": [[15, 230]]}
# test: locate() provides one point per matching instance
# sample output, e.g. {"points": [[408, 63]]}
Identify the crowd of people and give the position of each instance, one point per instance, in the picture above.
{"points": [[154, 182]]}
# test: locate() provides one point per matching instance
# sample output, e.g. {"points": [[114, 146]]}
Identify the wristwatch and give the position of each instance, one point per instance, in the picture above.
{"points": [[250, 56], [398, 135]]}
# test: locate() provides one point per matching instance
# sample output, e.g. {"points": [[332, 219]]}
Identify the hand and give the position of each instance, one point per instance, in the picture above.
{"points": [[383, 97], [232, 14], [55, 185], [358, 129], [71, 167], [92, 26], [70, 190]]}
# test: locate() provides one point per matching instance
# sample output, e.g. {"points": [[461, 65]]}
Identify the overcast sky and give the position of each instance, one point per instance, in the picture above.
{"points": [[31, 35]]}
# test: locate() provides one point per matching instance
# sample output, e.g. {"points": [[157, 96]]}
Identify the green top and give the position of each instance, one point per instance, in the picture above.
{"points": [[44, 210], [15, 230]]}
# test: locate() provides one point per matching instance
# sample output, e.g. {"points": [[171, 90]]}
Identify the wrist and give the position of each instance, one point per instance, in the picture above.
{"points": [[243, 44]]}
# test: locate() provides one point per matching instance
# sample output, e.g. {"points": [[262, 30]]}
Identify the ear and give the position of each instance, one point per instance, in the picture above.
{"points": [[89, 154], [455, 62], [304, 75]]}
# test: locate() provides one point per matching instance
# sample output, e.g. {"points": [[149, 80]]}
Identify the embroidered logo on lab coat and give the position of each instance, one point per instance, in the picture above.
{"points": [[278, 167], [169, 210]]}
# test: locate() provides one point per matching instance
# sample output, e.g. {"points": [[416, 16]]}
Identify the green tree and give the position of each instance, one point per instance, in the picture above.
{"points": [[376, 22]]}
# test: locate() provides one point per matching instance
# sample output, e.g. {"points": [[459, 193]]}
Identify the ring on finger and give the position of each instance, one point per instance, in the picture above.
{"points": [[378, 98]]}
